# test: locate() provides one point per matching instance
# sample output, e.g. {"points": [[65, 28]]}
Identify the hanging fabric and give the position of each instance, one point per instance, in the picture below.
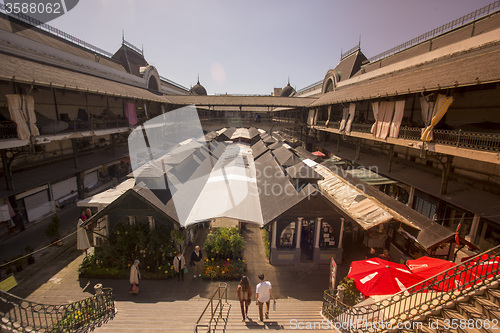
{"points": [[22, 112], [440, 108], [396, 120], [131, 114], [385, 112], [352, 111], [426, 106], [375, 115], [329, 114], [316, 114], [310, 118], [345, 115]]}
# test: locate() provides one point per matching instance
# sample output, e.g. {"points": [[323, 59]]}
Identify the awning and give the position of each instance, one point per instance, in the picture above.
{"points": [[355, 202]]}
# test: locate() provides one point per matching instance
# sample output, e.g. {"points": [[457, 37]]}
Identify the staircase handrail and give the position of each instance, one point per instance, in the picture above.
{"points": [[221, 291], [409, 304], [20, 315]]}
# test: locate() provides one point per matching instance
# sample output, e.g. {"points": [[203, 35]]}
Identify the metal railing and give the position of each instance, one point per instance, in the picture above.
{"points": [[221, 292], [312, 86], [44, 26], [20, 315], [349, 52], [175, 84], [446, 27], [415, 303], [133, 47], [82, 125], [457, 138]]}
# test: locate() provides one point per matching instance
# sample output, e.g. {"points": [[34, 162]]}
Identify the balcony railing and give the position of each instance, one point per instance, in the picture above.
{"points": [[413, 304], [457, 138], [20, 315]]}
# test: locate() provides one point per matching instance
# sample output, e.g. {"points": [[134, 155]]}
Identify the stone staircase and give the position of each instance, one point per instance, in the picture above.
{"points": [[474, 313], [181, 316]]}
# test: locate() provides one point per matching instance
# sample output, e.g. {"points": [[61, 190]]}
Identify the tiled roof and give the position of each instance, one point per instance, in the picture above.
{"points": [[242, 100], [467, 69], [27, 71]]}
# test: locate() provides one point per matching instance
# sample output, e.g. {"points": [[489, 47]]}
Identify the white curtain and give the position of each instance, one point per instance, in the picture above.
{"points": [[345, 115], [398, 117], [22, 112], [440, 108], [352, 110], [375, 115], [310, 118], [426, 107], [385, 112]]}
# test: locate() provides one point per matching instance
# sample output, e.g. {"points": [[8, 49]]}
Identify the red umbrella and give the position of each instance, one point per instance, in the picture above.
{"points": [[318, 153], [381, 277], [461, 276], [426, 267]]}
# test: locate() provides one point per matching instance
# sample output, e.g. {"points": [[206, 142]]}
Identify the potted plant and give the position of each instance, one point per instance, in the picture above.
{"points": [[52, 230], [29, 250]]}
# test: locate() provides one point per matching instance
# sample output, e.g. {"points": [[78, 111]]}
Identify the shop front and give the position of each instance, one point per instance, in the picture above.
{"points": [[303, 239]]}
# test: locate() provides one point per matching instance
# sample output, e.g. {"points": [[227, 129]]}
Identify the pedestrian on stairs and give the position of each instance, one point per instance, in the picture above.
{"points": [[244, 294], [196, 261], [263, 294], [179, 266]]}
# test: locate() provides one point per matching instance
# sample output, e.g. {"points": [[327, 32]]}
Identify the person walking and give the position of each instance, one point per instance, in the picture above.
{"points": [[263, 294], [244, 294], [179, 265], [135, 275], [196, 260]]}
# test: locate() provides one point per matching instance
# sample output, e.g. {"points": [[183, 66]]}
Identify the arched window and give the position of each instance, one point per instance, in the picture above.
{"points": [[152, 83], [329, 85]]}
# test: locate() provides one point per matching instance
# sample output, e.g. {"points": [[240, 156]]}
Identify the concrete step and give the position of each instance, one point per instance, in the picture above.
{"points": [[456, 319], [493, 295], [181, 316], [485, 306]]}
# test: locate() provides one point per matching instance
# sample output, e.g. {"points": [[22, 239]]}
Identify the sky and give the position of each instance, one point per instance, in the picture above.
{"points": [[251, 47]]}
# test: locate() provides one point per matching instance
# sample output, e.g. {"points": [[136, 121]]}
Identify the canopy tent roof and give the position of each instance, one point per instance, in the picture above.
{"points": [[277, 193], [219, 180], [258, 149], [305, 154], [103, 199], [285, 157], [245, 133], [276, 145]]}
